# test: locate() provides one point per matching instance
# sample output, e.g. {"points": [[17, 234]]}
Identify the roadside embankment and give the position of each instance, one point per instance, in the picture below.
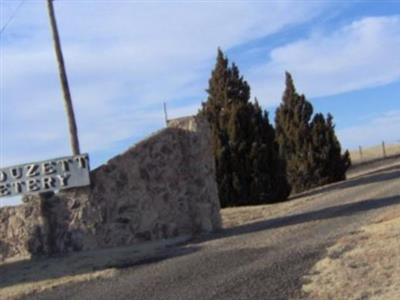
{"points": [[362, 265]]}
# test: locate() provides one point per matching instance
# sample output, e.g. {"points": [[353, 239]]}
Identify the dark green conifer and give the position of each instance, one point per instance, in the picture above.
{"points": [[293, 135], [329, 165], [269, 170], [310, 148], [249, 170]]}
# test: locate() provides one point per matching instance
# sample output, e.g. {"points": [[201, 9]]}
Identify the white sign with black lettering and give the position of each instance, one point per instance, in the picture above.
{"points": [[44, 176]]}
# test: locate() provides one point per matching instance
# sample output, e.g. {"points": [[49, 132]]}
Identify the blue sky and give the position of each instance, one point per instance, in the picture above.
{"points": [[125, 58]]}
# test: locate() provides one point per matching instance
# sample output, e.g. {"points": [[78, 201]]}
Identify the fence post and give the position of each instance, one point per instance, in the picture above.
{"points": [[361, 154], [383, 149]]}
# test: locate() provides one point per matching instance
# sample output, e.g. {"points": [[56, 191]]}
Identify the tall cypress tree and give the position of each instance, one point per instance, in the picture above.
{"points": [[339, 163], [310, 148], [293, 135], [249, 170], [215, 110], [329, 164], [269, 170]]}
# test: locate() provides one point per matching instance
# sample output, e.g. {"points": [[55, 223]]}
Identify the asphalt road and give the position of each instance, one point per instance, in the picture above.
{"points": [[263, 260]]}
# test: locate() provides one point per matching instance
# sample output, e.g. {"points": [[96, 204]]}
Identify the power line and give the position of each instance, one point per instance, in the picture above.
{"points": [[3, 28], [13, 15]]}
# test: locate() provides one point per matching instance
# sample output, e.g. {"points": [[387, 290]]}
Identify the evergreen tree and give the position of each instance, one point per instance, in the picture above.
{"points": [[321, 151], [215, 110], [249, 170], [310, 148], [329, 165], [269, 170], [293, 135]]}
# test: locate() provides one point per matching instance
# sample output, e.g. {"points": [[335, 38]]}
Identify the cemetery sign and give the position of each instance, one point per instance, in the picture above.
{"points": [[50, 175]]}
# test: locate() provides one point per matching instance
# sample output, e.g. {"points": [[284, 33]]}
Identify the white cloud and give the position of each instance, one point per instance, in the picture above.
{"points": [[385, 127], [124, 58], [360, 55]]}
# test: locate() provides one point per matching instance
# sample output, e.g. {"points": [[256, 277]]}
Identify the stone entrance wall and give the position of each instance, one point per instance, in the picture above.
{"points": [[162, 187]]}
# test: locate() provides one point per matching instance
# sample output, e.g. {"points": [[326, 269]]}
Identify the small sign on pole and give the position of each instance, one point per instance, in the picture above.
{"points": [[49, 175]]}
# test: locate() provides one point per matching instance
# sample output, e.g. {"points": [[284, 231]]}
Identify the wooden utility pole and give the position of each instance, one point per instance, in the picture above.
{"points": [[73, 131], [165, 114]]}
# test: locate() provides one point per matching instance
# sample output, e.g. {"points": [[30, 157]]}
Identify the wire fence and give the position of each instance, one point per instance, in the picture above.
{"points": [[384, 150]]}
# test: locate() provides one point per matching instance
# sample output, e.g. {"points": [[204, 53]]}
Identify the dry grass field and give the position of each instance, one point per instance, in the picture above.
{"points": [[353, 263], [363, 265], [373, 153]]}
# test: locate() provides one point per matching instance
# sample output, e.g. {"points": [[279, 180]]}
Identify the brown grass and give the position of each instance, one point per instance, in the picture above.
{"points": [[237, 216], [375, 152], [359, 252], [362, 265]]}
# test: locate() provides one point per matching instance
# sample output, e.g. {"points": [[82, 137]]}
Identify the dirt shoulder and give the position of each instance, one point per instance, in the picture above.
{"points": [[24, 277], [236, 216], [366, 167], [362, 265]]}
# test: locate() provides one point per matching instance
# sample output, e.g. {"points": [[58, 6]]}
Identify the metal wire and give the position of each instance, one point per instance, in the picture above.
{"points": [[13, 15]]}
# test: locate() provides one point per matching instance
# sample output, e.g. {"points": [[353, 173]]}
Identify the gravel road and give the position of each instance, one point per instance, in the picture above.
{"points": [[262, 260]]}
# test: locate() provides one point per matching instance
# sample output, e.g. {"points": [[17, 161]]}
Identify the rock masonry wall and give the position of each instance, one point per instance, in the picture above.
{"points": [[163, 187]]}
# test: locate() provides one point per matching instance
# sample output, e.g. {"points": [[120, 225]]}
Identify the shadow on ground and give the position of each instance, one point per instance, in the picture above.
{"points": [[370, 177], [56, 267], [321, 214], [38, 269]]}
